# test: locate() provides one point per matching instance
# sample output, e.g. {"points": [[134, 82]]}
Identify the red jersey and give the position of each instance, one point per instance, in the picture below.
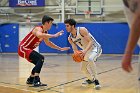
{"points": [[27, 45]]}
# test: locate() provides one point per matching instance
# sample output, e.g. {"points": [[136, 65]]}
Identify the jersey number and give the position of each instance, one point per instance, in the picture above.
{"points": [[80, 43]]}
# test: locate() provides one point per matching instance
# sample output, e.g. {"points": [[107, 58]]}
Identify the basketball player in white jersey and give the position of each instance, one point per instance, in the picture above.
{"points": [[132, 12], [90, 47]]}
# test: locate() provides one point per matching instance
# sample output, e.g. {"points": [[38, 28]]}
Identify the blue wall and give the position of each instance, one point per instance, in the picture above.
{"points": [[111, 36], [60, 41], [9, 37]]}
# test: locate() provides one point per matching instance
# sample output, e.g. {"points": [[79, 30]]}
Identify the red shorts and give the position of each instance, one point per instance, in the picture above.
{"points": [[24, 52]]}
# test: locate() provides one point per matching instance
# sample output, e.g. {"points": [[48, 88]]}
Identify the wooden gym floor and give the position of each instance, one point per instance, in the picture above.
{"points": [[63, 75]]}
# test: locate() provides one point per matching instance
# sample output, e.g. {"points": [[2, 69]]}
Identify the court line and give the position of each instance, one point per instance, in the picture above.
{"points": [[14, 84], [80, 79]]}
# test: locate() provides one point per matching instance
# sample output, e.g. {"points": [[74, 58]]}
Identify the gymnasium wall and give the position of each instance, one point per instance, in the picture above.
{"points": [[9, 37], [111, 36]]}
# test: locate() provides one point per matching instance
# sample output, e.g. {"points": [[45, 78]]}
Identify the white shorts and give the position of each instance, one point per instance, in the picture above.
{"points": [[93, 54]]}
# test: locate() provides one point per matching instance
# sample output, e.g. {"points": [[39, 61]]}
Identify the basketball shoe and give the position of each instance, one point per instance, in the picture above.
{"points": [[97, 84], [37, 83], [87, 82], [92, 82], [30, 80]]}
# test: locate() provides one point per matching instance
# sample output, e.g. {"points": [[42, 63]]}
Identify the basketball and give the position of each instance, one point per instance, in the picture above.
{"points": [[77, 57]]}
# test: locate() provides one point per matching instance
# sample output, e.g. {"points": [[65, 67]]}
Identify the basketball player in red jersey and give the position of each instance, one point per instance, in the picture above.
{"points": [[31, 41], [132, 12]]}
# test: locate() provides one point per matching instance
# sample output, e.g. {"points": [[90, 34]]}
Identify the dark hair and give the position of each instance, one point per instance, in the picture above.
{"points": [[46, 18], [70, 21]]}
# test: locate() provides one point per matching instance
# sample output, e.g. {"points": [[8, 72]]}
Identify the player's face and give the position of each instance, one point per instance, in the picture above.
{"points": [[68, 27], [48, 25]]}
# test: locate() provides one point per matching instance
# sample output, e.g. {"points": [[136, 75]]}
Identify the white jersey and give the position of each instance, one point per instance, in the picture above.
{"points": [[81, 42]]}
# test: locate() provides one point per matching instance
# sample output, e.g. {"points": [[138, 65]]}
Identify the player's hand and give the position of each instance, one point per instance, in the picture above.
{"points": [[64, 48], [126, 62], [59, 33], [84, 53]]}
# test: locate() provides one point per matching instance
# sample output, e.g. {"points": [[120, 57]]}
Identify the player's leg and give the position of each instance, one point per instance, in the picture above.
{"points": [[24, 54], [95, 53], [93, 70], [31, 78], [87, 74], [87, 69], [38, 60]]}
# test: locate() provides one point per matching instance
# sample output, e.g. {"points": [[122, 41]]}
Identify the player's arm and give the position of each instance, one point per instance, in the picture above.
{"points": [[135, 26], [134, 34], [38, 32], [87, 37], [132, 41], [52, 45], [74, 47]]}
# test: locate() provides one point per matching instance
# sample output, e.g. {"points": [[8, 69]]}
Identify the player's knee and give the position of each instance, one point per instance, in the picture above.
{"points": [[41, 58], [93, 59], [90, 58]]}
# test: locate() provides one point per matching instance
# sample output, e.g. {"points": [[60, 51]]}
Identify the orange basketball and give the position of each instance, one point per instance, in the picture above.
{"points": [[77, 57]]}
